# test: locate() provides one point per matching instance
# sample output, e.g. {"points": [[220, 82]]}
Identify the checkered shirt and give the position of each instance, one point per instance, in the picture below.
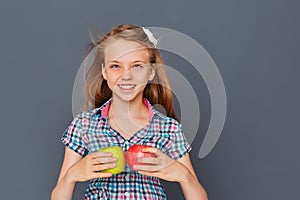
{"points": [[90, 131]]}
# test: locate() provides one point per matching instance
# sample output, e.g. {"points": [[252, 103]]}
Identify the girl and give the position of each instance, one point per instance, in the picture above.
{"points": [[125, 80]]}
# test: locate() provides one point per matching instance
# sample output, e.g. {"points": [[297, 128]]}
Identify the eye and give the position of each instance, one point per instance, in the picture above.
{"points": [[114, 66], [138, 66]]}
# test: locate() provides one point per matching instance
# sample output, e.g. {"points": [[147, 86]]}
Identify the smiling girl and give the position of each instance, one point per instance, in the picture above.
{"points": [[125, 80]]}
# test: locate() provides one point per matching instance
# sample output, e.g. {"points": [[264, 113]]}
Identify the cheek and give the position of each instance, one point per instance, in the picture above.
{"points": [[142, 77], [113, 77], [112, 81]]}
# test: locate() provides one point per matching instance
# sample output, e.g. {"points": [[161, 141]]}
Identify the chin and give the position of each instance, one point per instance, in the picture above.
{"points": [[128, 98]]}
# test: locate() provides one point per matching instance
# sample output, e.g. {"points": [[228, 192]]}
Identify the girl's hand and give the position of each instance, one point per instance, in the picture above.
{"points": [[90, 167], [162, 166]]}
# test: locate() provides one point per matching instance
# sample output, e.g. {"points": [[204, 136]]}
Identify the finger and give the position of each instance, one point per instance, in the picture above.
{"points": [[156, 174], [153, 161], [148, 168], [98, 168], [153, 150], [100, 154], [101, 175], [103, 160]]}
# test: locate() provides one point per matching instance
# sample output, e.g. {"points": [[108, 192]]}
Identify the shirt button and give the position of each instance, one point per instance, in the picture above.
{"points": [[126, 194], [127, 177]]}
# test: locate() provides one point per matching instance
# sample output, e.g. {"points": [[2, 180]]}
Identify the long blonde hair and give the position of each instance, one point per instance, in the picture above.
{"points": [[96, 89]]}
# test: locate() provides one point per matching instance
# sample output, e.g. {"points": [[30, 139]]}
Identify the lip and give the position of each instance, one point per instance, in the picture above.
{"points": [[123, 87], [126, 84]]}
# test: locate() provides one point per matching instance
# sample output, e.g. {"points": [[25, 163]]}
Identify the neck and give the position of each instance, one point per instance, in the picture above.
{"points": [[128, 109]]}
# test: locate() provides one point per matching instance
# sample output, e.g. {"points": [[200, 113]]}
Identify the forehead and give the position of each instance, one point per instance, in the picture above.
{"points": [[124, 50]]}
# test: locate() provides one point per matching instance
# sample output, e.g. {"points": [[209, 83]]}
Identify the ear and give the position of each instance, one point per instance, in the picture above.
{"points": [[152, 73], [103, 72]]}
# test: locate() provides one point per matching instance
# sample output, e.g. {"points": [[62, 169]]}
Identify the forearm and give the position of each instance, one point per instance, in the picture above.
{"points": [[192, 189], [63, 190]]}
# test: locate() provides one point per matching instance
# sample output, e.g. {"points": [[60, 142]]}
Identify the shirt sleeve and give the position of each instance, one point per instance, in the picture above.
{"points": [[179, 145], [72, 137]]}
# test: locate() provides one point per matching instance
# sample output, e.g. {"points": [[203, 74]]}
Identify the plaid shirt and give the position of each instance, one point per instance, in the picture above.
{"points": [[90, 131]]}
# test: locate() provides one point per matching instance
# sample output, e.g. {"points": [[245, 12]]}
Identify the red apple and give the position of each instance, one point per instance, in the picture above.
{"points": [[135, 152]]}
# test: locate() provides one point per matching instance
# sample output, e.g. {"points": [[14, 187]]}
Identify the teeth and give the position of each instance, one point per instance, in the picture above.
{"points": [[126, 86]]}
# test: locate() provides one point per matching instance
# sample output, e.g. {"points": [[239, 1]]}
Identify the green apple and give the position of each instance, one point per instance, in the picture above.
{"points": [[119, 154]]}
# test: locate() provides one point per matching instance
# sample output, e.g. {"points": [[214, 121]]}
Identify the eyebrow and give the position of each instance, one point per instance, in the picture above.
{"points": [[134, 61]]}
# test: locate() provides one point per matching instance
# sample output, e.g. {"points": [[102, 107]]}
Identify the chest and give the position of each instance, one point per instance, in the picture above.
{"points": [[124, 134], [127, 128]]}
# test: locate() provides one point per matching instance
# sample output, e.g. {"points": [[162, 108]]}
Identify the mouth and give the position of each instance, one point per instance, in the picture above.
{"points": [[126, 86]]}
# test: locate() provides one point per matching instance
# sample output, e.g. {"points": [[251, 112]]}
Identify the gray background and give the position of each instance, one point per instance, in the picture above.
{"points": [[254, 43]]}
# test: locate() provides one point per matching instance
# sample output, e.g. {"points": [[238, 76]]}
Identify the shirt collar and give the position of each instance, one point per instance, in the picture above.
{"points": [[103, 110]]}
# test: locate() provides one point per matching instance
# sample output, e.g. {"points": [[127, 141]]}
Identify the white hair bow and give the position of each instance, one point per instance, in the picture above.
{"points": [[150, 36]]}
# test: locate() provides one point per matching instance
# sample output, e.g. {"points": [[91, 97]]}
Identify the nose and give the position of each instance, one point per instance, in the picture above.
{"points": [[127, 75]]}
